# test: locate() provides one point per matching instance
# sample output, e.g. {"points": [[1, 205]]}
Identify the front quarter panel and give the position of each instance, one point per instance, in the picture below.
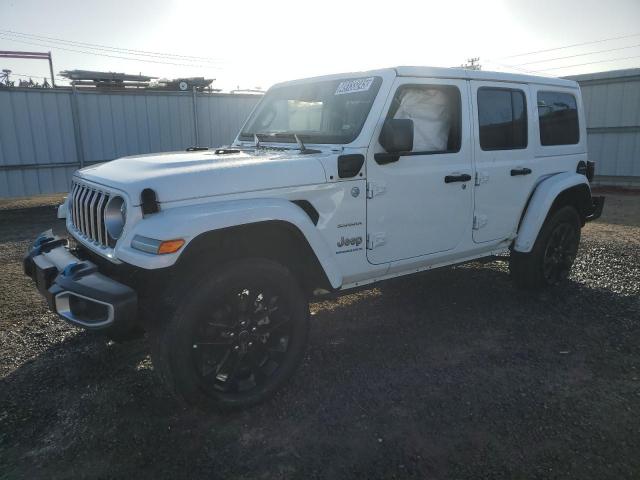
{"points": [[188, 222]]}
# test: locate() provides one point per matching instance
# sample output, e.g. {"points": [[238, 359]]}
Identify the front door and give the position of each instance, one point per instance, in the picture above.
{"points": [[422, 203], [505, 167]]}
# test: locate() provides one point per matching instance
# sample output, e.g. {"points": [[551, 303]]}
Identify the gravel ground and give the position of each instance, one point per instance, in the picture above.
{"points": [[453, 374]]}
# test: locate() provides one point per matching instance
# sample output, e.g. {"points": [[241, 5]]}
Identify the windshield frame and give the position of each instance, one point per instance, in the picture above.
{"points": [[311, 138]]}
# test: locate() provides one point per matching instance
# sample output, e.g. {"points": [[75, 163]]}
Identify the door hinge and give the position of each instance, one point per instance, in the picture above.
{"points": [[479, 221], [374, 189], [481, 177], [376, 240]]}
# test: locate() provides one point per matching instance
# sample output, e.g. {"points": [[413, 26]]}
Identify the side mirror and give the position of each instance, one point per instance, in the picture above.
{"points": [[397, 135]]}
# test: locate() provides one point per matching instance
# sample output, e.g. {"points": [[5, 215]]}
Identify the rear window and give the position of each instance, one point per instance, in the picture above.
{"points": [[558, 118], [502, 116]]}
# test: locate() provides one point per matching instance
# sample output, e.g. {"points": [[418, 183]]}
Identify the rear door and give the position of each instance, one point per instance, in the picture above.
{"points": [[504, 155], [421, 203]]}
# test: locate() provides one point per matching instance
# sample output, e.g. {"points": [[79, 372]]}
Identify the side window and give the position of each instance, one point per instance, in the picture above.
{"points": [[502, 116], [436, 114], [558, 118]]}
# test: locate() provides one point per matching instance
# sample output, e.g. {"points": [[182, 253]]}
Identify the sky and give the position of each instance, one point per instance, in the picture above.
{"points": [[256, 44]]}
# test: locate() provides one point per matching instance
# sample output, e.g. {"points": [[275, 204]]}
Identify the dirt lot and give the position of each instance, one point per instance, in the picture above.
{"points": [[449, 375]]}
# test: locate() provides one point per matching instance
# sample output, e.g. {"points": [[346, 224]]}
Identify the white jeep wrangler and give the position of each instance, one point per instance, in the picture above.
{"points": [[333, 183]]}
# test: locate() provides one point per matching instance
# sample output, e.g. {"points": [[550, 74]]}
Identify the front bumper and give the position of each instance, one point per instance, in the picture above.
{"points": [[74, 288], [595, 210]]}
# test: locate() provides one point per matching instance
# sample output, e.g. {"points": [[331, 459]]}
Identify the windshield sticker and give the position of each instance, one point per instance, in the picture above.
{"points": [[352, 86]]}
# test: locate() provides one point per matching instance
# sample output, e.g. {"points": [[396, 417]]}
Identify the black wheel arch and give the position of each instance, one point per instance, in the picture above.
{"points": [[276, 240], [577, 196]]}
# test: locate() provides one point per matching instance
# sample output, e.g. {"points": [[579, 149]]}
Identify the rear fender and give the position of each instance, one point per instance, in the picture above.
{"points": [[541, 202]]}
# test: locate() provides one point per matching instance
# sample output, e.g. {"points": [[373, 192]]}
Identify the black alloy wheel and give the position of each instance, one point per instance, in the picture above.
{"points": [[560, 253], [550, 260], [242, 341], [235, 338]]}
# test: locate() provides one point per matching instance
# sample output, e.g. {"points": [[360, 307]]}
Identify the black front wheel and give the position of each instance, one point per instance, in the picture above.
{"points": [[235, 338], [553, 253]]}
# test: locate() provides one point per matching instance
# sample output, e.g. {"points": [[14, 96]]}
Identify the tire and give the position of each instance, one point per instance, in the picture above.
{"points": [[235, 338], [553, 252]]}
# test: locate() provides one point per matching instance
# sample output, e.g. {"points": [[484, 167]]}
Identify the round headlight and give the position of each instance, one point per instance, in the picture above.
{"points": [[115, 214]]}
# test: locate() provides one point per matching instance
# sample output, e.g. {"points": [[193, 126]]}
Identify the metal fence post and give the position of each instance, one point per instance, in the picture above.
{"points": [[77, 132], [194, 98], [53, 81]]}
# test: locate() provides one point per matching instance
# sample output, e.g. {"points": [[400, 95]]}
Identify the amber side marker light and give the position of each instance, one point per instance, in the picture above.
{"points": [[170, 246], [156, 247]]}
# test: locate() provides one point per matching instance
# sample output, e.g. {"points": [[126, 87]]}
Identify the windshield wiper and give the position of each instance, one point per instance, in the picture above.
{"points": [[304, 150], [258, 137], [257, 140]]}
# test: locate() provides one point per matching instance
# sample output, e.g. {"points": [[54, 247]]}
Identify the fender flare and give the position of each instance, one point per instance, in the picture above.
{"points": [[190, 221], [539, 205]]}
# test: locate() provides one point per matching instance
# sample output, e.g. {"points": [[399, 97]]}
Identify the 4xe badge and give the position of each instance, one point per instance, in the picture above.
{"points": [[347, 242]]}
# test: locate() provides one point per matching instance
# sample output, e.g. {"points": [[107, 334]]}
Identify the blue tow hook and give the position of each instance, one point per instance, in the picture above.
{"points": [[69, 269]]}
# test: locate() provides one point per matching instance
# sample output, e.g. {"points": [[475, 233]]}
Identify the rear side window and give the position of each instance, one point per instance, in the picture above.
{"points": [[558, 118], [502, 116]]}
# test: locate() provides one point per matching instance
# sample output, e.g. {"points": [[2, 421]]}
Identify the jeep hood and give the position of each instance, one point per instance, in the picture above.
{"points": [[185, 175]]}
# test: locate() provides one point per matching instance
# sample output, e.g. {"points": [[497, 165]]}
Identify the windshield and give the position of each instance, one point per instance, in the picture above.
{"points": [[330, 111]]}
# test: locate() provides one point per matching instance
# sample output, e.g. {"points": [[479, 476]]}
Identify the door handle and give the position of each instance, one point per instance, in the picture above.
{"points": [[458, 177], [520, 171]]}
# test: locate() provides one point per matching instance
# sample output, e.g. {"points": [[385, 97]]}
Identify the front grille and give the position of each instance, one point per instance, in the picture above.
{"points": [[87, 205]]}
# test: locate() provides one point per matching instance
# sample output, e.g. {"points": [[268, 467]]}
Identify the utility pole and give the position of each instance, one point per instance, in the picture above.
{"points": [[472, 64]]}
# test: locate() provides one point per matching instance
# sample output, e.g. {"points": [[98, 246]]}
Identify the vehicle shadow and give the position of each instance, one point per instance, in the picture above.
{"points": [[422, 376]]}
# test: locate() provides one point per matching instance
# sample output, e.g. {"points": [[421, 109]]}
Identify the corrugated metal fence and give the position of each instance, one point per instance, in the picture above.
{"points": [[612, 106], [47, 134]]}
